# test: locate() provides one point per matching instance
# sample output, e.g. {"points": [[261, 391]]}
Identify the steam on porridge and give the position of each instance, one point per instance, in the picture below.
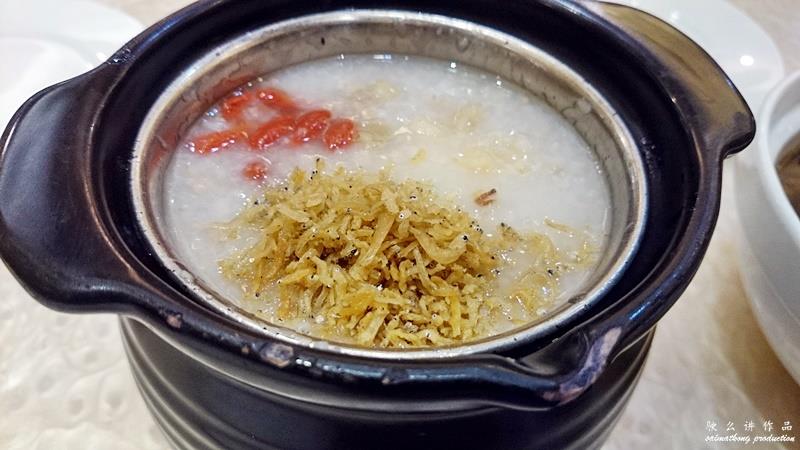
{"points": [[387, 201]]}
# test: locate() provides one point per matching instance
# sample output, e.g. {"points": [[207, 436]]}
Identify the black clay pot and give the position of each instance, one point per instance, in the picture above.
{"points": [[70, 234]]}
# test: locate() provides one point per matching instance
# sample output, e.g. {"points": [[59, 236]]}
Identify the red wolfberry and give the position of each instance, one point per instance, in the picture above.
{"points": [[212, 142], [255, 170], [271, 132], [233, 106], [276, 99], [310, 125], [340, 134]]}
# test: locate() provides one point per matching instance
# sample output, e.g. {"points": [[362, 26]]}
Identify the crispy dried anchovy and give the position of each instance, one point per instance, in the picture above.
{"points": [[380, 263]]}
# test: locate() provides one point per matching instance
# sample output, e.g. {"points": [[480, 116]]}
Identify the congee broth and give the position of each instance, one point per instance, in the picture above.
{"points": [[387, 201], [789, 172]]}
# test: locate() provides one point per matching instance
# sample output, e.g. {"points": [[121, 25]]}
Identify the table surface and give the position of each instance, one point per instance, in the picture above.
{"points": [[709, 361]]}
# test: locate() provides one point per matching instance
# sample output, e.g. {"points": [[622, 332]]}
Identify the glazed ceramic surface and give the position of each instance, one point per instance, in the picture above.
{"points": [[64, 383], [747, 54], [186, 326], [710, 359], [771, 253]]}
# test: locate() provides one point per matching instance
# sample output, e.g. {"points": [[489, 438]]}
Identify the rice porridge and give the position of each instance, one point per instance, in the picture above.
{"points": [[484, 152]]}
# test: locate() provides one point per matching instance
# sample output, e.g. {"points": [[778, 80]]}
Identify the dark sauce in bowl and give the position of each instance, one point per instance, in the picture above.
{"points": [[789, 172]]}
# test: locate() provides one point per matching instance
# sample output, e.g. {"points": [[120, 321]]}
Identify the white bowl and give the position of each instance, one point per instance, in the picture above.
{"points": [[770, 255]]}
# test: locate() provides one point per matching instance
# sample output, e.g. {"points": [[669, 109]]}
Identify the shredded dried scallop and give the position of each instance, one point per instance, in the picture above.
{"points": [[382, 263]]}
